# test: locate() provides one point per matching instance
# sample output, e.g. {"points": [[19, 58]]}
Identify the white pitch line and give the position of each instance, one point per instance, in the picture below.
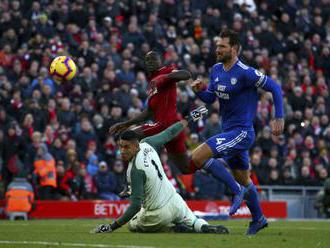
{"points": [[70, 244]]}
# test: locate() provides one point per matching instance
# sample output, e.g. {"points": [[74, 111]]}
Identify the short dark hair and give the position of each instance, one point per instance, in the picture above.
{"points": [[129, 135], [233, 37], [154, 55]]}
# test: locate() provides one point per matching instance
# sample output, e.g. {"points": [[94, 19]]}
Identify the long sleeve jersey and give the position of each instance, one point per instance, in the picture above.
{"points": [[236, 90]]}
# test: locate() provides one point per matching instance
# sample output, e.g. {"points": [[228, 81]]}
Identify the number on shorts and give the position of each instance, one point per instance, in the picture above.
{"points": [[156, 167]]}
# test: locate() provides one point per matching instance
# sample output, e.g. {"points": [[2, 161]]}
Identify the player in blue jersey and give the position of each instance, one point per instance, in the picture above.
{"points": [[235, 85]]}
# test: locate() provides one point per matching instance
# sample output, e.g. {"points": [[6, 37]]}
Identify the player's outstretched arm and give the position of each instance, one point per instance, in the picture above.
{"points": [[119, 127], [138, 179], [173, 77], [202, 91], [168, 134], [156, 141], [277, 125], [179, 75]]}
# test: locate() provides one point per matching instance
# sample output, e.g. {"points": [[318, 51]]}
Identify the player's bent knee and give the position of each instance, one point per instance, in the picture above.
{"points": [[132, 226]]}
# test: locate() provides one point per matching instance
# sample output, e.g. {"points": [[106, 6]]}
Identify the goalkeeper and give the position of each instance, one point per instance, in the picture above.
{"points": [[155, 205]]}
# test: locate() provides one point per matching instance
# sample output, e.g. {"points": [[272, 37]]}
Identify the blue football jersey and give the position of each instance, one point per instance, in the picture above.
{"points": [[236, 90]]}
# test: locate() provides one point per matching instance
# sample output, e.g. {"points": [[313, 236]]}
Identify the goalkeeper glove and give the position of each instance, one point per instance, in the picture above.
{"points": [[103, 228], [197, 114], [106, 228]]}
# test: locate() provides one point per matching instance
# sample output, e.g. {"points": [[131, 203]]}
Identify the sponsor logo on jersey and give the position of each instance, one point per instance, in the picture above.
{"points": [[222, 95], [221, 87], [233, 81]]}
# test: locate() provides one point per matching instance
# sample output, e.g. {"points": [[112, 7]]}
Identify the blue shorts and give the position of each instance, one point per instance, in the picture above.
{"points": [[233, 147]]}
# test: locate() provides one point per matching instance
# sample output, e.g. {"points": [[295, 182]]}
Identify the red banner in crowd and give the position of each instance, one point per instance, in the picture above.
{"points": [[113, 209], [274, 209]]}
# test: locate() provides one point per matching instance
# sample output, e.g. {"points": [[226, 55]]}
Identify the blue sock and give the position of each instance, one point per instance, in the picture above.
{"points": [[253, 203], [219, 171]]}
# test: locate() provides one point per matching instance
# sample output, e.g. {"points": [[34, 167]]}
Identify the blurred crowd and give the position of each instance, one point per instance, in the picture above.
{"points": [[56, 134]]}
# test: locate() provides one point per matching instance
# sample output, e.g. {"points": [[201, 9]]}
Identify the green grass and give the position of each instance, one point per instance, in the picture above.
{"points": [[75, 233]]}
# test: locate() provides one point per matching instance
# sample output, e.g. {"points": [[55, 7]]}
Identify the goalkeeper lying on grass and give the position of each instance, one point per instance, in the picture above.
{"points": [[155, 205]]}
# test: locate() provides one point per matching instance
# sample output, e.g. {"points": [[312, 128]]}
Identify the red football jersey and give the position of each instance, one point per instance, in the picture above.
{"points": [[162, 101]]}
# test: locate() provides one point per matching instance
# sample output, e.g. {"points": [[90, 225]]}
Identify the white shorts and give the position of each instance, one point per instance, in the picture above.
{"points": [[174, 212]]}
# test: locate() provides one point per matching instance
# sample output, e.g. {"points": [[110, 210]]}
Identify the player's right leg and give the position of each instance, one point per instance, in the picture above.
{"points": [[133, 224], [203, 158], [158, 220], [204, 227], [186, 222], [144, 221]]}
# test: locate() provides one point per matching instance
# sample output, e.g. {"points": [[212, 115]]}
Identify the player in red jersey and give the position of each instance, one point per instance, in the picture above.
{"points": [[161, 108]]}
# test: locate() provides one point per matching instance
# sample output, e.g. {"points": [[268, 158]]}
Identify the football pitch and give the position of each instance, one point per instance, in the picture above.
{"points": [[75, 233]]}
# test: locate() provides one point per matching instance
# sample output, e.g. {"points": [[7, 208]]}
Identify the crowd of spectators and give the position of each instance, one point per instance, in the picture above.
{"points": [[64, 126]]}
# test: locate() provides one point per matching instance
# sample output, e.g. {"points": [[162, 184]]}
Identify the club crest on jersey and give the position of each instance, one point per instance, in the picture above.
{"points": [[233, 81], [216, 80], [146, 155]]}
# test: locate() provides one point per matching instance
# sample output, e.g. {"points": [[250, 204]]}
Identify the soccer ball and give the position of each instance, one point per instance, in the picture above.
{"points": [[62, 68]]}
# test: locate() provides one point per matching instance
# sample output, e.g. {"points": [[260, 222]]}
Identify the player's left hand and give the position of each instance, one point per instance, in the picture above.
{"points": [[103, 228], [277, 126]]}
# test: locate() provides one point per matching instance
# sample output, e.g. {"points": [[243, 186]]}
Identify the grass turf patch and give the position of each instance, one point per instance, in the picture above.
{"points": [[75, 233]]}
